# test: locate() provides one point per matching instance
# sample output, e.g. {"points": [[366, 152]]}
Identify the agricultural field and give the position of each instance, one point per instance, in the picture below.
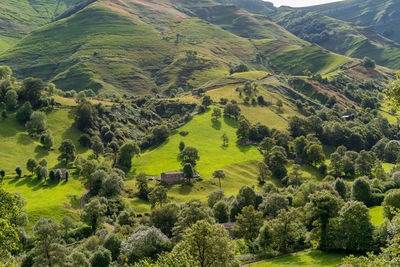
{"points": [[312, 258]]}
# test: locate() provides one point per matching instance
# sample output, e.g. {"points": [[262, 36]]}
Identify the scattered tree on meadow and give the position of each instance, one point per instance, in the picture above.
{"points": [[158, 196], [206, 101], [24, 113], [142, 184], [67, 150], [11, 100], [2, 173], [37, 123], [188, 171], [216, 113], [18, 170], [47, 140], [126, 154], [181, 146], [219, 174], [189, 155], [232, 110], [225, 139]]}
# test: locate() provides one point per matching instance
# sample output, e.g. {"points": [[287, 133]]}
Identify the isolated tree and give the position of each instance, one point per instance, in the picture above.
{"points": [[18, 170], [24, 113], [279, 104], [158, 196], [209, 245], [5, 72], [4, 114], [37, 123], [44, 172], [263, 172], [181, 146], [243, 131], [323, 205], [225, 139], [216, 113], [47, 140], [2, 173], [219, 174], [368, 63], [189, 155], [126, 154], [86, 115], [93, 213], [31, 164], [85, 140], [249, 223], [67, 150], [11, 100], [188, 171]]}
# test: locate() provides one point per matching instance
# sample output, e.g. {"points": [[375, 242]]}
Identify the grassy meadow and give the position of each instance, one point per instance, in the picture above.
{"points": [[376, 215], [311, 258], [53, 200]]}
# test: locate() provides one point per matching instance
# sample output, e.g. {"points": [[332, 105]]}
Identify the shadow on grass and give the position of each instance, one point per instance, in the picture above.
{"points": [[185, 189], [230, 122], [24, 139], [41, 152], [216, 124]]}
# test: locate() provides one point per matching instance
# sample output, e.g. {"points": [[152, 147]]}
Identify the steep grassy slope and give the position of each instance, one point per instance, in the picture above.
{"points": [[136, 47], [384, 15], [335, 35], [19, 17]]}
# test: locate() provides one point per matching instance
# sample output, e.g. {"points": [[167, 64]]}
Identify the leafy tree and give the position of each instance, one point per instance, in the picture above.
{"points": [[164, 218], [315, 154], [97, 147], [37, 123], [85, 140], [190, 213], [273, 204], [181, 146], [86, 116], [276, 161], [323, 205], [355, 226], [188, 171], [79, 259], [11, 207], [219, 174], [216, 113], [31, 90], [243, 131], [18, 170], [47, 251], [5, 72], [336, 164], [391, 151], [67, 150], [214, 197], [206, 101], [158, 196], [47, 140], [44, 172], [361, 190], [189, 155], [126, 153], [145, 242], [2, 173], [66, 224], [249, 223], [4, 114], [93, 213], [96, 180], [221, 211], [209, 245], [232, 110], [142, 184], [100, 258], [391, 203], [161, 134], [365, 162], [113, 244], [11, 100], [368, 63], [112, 185], [24, 113], [341, 188], [279, 104]]}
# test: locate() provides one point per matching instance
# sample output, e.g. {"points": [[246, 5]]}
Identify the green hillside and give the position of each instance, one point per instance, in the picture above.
{"points": [[19, 17], [382, 14], [139, 47], [335, 35]]}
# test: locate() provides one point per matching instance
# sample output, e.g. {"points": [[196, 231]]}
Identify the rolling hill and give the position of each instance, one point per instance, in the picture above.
{"points": [[339, 36], [136, 47]]}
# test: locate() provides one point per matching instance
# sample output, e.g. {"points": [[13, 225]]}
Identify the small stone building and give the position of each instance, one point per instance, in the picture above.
{"points": [[172, 177]]}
